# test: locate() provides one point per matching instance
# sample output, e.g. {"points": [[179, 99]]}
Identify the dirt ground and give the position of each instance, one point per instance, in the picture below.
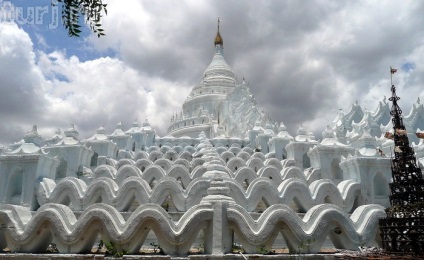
{"points": [[155, 253]]}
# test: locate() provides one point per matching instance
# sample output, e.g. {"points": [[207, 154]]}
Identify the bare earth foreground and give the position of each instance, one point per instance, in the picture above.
{"points": [[366, 253]]}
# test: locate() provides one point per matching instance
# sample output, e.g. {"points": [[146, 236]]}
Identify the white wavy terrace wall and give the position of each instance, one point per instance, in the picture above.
{"points": [[54, 223], [121, 195]]}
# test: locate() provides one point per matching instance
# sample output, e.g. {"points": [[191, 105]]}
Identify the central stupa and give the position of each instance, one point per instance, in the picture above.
{"points": [[218, 105]]}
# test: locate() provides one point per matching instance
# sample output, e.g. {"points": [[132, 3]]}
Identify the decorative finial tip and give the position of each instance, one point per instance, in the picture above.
{"points": [[218, 38]]}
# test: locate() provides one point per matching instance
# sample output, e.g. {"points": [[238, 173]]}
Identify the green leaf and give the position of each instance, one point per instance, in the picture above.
{"points": [[91, 10]]}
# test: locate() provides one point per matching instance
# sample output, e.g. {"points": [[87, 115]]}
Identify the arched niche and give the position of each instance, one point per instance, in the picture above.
{"points": [[94, 158], [62, 169], [14, 187], [336, 171], [306, 161], [381, 187]]}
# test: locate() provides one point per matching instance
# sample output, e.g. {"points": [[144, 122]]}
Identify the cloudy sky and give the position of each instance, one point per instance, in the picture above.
{"points": [[303, 60]]}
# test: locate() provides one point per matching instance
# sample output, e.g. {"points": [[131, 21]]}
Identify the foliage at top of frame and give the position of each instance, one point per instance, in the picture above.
{"points": [[91, 10]]}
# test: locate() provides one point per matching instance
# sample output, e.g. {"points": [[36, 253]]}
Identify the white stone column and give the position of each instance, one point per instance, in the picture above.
{"points": [[218, 235]]}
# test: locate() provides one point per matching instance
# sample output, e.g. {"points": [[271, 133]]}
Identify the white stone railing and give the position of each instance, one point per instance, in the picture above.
{"points": [[216, 197], [53, 223], [236, 167], [122, 192]]}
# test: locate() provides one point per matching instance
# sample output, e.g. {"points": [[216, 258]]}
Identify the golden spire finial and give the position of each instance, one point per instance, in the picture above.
{"points": [[218, 38]]}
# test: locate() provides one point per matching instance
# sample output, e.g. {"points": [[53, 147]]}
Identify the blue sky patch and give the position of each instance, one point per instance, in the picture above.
{"points": [[408, 66], [43, 23]]}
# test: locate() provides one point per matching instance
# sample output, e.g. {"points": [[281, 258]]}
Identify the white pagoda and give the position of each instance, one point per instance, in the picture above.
{"points": [[218, 105], [224, 174]]}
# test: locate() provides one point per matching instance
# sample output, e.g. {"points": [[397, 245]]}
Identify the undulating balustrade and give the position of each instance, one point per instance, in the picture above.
{"points": [[217, 215], [181, 181], [213, 191], [74, 192]]}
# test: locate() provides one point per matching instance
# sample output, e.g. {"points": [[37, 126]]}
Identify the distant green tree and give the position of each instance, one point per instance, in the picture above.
{"points": [[90, 10]]}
